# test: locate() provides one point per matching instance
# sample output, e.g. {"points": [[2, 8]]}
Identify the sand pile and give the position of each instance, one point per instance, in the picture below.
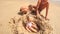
{"points": [[18, 24]]}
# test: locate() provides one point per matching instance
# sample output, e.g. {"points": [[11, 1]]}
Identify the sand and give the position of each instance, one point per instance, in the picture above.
{"points": [[10, 8]]}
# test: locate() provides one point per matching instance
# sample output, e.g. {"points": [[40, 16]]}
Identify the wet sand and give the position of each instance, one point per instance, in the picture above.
{"points": [[10, 8]]}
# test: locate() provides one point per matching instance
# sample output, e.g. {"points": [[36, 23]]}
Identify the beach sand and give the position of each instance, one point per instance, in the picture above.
{"points": [[10, 8]]}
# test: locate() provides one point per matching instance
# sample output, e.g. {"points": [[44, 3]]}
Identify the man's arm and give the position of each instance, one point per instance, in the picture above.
{"points": [[47, 7], [38, 4]]}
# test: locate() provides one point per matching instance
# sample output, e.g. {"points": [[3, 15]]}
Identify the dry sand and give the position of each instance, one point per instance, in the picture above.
{"points": [[10, 8]]}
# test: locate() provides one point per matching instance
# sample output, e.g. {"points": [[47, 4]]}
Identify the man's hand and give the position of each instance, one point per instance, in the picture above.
{"points": [[46, 18]]}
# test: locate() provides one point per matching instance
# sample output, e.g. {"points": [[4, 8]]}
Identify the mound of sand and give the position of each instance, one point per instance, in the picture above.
{"points": [[17, 24]]}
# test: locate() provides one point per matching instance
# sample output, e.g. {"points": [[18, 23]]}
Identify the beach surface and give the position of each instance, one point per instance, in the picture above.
{"points": [[10, 8]]}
